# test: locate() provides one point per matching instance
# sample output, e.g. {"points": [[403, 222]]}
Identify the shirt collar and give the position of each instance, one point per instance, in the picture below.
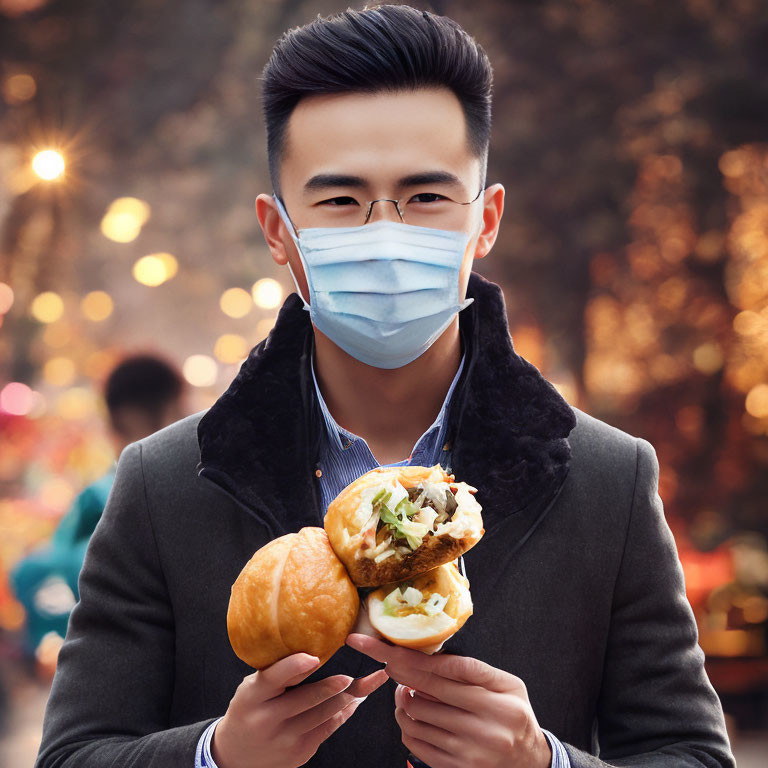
{"points": [[338, 436]]}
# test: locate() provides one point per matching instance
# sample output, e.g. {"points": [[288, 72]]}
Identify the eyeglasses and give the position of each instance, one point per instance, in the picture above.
{"points": [[424, 209]]}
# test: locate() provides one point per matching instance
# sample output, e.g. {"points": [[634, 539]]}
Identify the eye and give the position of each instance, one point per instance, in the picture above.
{"points": [[345, 200], [431, 197]]}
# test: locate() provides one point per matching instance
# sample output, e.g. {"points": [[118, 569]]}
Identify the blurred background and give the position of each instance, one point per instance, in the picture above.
{"points": [[632, 139]]}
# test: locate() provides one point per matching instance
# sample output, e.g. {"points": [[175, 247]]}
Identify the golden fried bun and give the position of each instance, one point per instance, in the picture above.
{"points": [[422, 612], [393, 523], [292, 596]]}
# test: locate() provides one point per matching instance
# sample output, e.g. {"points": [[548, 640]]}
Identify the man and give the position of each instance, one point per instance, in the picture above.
{"points": [[582, 649], [143, 393]]}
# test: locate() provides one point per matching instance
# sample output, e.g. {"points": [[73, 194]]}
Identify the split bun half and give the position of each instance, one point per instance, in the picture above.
{"points": [[423, 612]]}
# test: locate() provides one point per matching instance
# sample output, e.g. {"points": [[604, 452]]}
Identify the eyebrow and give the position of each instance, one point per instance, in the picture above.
{"points": [[329, 180]]}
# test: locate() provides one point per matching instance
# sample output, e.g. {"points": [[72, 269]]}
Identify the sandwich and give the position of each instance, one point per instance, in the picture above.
{"points": [[422, 612], [394, 523], [294, 595]]}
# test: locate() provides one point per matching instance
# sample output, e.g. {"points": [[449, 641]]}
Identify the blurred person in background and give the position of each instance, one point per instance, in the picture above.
{"points": [[143, 393]]}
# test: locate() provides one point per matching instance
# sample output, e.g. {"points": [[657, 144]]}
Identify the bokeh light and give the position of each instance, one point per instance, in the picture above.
{"points": [[76, 403], [230, 348], [267, 293], [155, 269], [170, 263], [120, 227], [16, 398], [19, 88], [757, 401], [97, 306], [708, 357], [124, 219], [6, 297], [200, 370], [59, 371], [47, 307], [264, 326], [236, 302], [133, 206], [48, 164]]}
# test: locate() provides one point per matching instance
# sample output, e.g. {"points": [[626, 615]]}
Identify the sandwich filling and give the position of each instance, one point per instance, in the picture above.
{"points": [[407, 613], [395, 520], [406, 600]]}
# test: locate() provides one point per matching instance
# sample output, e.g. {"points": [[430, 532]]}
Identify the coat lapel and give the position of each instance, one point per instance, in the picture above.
{"points": [[507, 424]]}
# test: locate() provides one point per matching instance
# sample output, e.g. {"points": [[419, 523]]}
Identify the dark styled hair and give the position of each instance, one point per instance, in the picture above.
{"points": [[378, 48], [145, 381]]}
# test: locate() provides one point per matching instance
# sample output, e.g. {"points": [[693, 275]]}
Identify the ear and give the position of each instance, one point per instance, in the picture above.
{"points": [[492, 213], [272, 225], [279, 240]]}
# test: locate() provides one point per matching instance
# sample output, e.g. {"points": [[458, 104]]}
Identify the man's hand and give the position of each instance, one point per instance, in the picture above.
{"points": [[267, 726], [463, 712]]}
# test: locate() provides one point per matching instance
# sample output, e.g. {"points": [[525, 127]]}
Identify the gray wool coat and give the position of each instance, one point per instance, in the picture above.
{"points": [[576, 584]]}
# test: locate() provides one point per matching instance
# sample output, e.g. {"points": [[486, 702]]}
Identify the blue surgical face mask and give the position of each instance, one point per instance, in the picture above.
{"points": [[384, 292]]}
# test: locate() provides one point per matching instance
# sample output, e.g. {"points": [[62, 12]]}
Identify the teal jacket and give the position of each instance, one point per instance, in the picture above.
{"points": [[46, 580]]}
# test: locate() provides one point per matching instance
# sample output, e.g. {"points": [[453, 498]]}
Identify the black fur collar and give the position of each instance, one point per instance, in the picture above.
{"points": [[507, 424]]}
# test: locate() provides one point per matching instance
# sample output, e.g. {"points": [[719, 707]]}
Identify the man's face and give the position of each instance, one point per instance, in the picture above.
{"points": [[379, 138]]}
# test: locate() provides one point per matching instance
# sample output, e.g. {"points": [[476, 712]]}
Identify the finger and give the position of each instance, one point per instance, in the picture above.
{"points": [[321, 732], [360, 688], [441, 715], [424, 695], [386, 652], [272, 680], [471, 698], [450, 665], [306, 697], [363, 686], [317, 715], [422, 739], [467, 669]]}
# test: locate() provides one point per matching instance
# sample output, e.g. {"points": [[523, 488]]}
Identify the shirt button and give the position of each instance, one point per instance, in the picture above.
{"points": [[447, 445], [318, 473], [347, 443]]}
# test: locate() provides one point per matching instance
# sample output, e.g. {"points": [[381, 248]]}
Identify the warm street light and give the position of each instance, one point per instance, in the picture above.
{"points": [[48, 164]]}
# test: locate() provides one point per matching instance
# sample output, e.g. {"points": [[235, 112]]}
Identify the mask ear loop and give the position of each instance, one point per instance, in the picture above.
{"points": [[469, 300], [291, 230]]}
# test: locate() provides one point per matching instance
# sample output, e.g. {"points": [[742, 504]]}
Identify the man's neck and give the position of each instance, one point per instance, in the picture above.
{"points": [[390, 408]]}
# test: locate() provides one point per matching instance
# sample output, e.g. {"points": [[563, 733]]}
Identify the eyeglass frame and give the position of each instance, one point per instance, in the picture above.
{"points": [[370, 203]]}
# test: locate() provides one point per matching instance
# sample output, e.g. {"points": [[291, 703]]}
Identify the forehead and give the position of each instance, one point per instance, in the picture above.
{"points": [[379, 136]]}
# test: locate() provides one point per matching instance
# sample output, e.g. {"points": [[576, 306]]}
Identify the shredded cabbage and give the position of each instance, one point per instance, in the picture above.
{"points": [[435, 604], [412, 596]]}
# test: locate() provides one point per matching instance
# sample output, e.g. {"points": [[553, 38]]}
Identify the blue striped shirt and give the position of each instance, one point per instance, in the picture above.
{"points": [[345, 457]]}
